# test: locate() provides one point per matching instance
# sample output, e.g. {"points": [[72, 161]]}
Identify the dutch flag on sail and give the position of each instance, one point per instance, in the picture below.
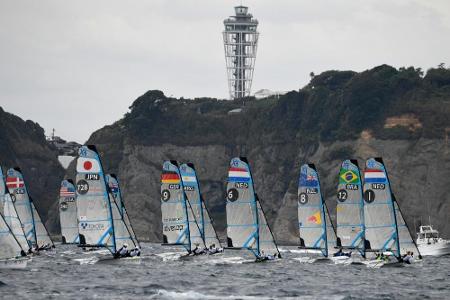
{"points": [[374, 176], [238, 175]]}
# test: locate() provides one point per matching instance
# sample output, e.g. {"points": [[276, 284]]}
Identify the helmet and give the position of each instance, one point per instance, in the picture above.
{"points": [[125, 245]]}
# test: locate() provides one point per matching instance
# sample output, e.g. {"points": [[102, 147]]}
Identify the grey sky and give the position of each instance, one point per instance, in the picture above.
{"points": [[78, 65]]}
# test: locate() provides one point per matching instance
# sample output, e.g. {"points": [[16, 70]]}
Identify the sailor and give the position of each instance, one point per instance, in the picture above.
{"points": [[338, 253], [212, 249], [135, 252], [123, 251], [408, 257]]}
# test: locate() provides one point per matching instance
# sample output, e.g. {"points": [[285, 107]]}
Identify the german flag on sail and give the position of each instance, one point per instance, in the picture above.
{"points": [[170, 177]]}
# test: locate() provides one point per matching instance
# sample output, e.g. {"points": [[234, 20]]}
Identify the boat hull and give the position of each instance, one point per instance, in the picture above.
{"points": [[436, 249]]}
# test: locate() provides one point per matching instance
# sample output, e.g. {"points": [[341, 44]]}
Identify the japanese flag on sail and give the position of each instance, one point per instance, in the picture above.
{"points": [[89, 165], [238, 174]]}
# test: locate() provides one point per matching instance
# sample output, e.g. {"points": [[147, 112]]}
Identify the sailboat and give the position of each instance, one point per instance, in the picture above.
{"points": [[114, 188], [316, 230], [12, 256], [247, 226], [100, 222], [381, 228], [350, 211], [10, 215], [201, 214], [180, 226], [35, 231], [405, 239], [68, 213]]}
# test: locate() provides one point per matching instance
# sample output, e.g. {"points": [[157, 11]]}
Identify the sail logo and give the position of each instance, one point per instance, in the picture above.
{"points": [[308, 180], [348, 177], [374, 176], [66, 191], [315, 218], [238, 175], [88, 165], [14, 182], [187, 178], [170, 177], [91, 226]]}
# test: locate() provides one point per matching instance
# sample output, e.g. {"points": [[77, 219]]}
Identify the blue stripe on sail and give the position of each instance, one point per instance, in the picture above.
{"points": [[375, 180], [249, 239], [238, 179], [359, 236], [183, 233], [100, 241], [381, 226], [322, 237], [76, 240]]}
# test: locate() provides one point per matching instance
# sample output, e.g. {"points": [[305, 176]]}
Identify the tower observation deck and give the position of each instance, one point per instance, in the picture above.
{"points": [[240, 40]]}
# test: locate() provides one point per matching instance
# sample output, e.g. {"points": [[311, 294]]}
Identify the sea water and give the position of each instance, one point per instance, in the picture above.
{"points": [[68, 273]]}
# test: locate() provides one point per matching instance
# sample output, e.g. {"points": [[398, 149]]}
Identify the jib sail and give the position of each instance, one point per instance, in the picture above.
{"points": [[405, 239]]}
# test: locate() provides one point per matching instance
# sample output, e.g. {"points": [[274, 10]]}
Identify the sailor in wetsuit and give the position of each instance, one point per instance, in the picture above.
{"points": [[123, 251], [135, 252]]}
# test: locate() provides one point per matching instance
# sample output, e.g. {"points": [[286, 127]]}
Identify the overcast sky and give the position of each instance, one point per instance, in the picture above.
{"points": [[78, 65]]}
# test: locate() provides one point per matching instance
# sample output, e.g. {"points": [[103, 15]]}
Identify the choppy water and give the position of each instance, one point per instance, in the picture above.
{"points": [[66, 273]]}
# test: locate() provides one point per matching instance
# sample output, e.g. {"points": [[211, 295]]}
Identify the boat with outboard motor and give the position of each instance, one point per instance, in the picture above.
{"points": [[247, 226]]}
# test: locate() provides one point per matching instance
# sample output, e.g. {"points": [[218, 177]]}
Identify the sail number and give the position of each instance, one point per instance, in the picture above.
{"points": [[241, 185], [165, 195], [232, 195], [82, 187], [178, 227], [302, 198], [369, 196], [342, 195], [189, 188], [92, 176], [378, 186]]}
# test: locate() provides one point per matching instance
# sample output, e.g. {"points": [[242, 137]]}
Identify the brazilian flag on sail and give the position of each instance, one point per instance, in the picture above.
{"points": [[348, 176]]}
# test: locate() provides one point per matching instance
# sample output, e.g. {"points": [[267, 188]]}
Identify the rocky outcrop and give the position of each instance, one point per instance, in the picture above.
{"points": [[23, 144]]}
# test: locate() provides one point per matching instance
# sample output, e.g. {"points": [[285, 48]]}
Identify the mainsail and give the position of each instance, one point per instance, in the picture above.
{"points": [[247, 226], [192, 191], [405, 240], [9, 246], [180, 226], [379, 213], [350, 208], [22, 203], [94, 209], [68, 212], [2, 190], [314, 223], [42, 237], [114, 188], [13, 221]]}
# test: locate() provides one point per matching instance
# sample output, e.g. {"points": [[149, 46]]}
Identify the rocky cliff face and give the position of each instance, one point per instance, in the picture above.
{"points": [[400, 115], [23, 144]]}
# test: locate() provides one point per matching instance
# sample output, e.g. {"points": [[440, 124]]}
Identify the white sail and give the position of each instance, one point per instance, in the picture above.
{"points": [[193, 194], [3, 190], [178, 218], [122, 233], [379, 213], [13, 221], [406, 241], [19, 194], [247, 226], [350, 207], [9, 246], [315, 227], [267, 244], [114, 187], [93, 204], [68, 213], [42, 236]]}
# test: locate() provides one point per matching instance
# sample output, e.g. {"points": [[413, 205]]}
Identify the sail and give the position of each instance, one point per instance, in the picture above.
{"points": [[68, 213], [13, 221], [3, 191], [314, 223], [379, 215], [19, 195], [9, 246], [174, 208], [242, 212], [267, 245], [210, 235], [93, 204], [405, 239], [350, 207], [42, 236], [114, 188], [122, 233], [192, 191]]}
